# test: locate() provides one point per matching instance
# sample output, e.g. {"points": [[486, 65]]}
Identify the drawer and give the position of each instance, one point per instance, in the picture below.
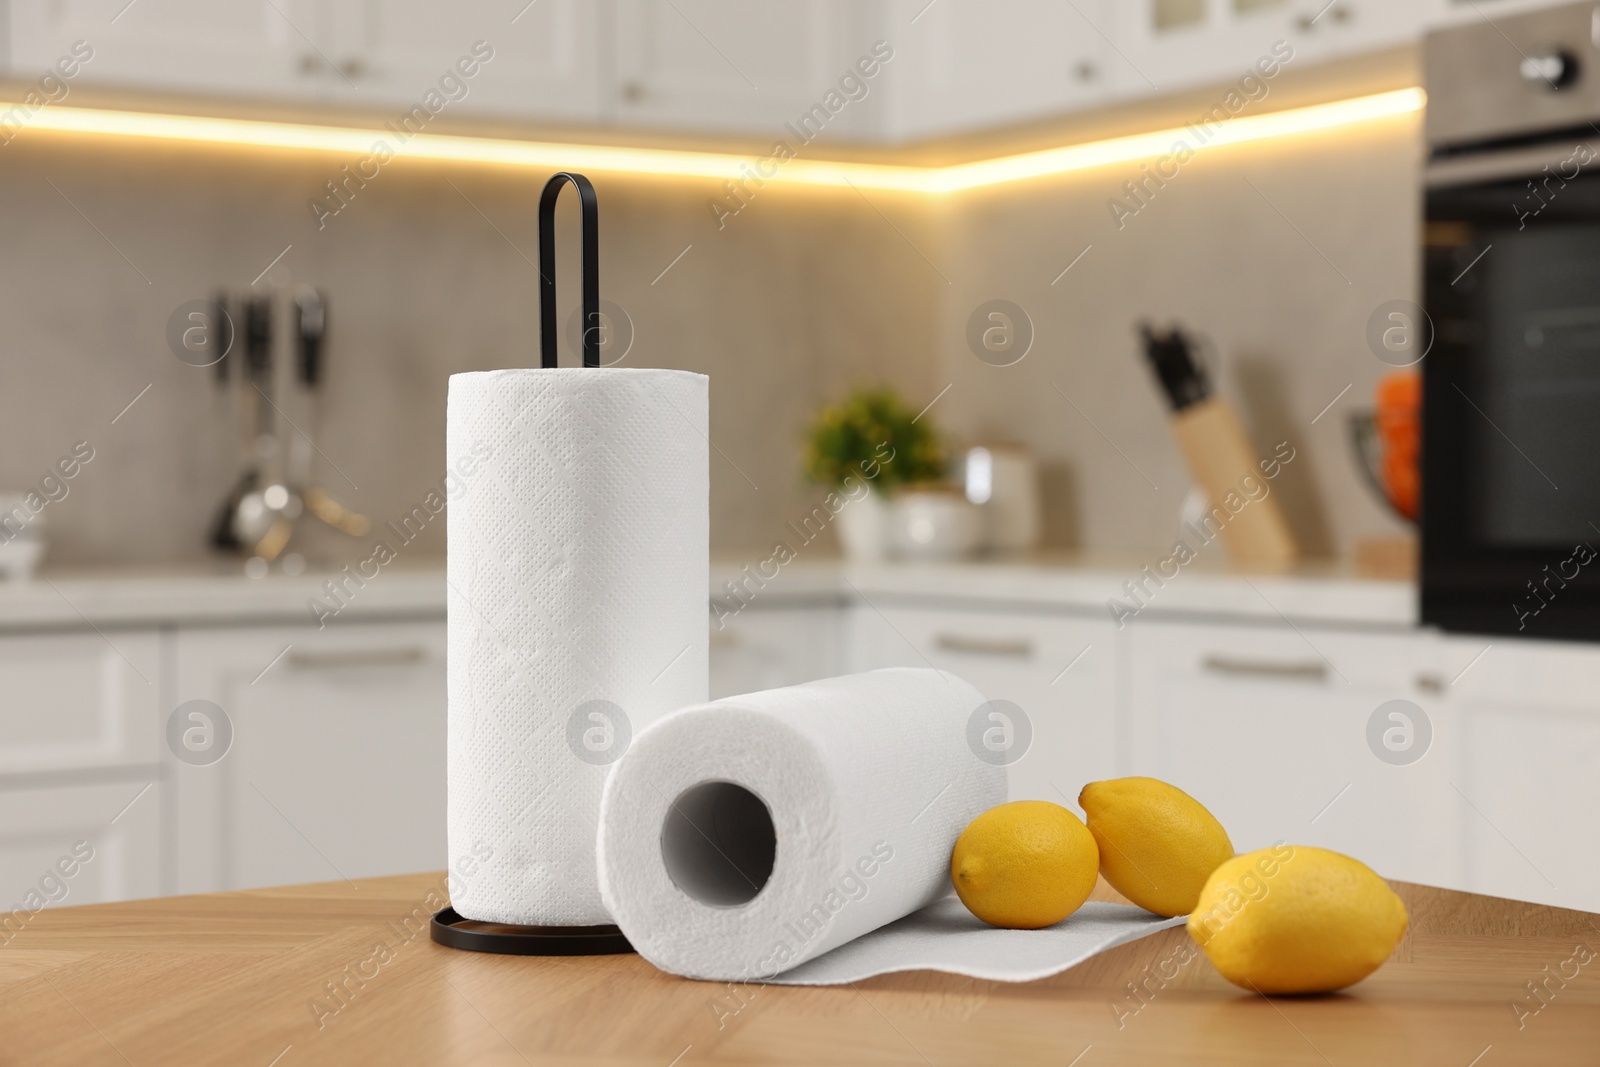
{"points": [[79, 700], [1058, 670], [1510, 672], [336, 766], [80, 844], [1272, 728]]}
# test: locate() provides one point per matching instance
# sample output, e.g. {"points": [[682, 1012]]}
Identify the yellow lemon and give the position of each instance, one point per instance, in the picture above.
{"points": [[1292, 919], [1158, 844], [1024, 865]]}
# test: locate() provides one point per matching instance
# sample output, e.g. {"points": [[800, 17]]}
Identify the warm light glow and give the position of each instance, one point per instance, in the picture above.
{"points": [[720, 166], [1142, 146]]}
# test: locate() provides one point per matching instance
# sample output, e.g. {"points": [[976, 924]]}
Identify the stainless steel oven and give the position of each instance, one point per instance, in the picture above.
{"points": [[1511, 384]]}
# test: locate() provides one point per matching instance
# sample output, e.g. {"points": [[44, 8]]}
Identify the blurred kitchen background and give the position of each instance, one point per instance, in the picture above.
{"points": [[1264, 676]]}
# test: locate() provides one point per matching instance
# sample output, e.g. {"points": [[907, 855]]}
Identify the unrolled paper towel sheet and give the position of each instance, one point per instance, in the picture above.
{"points": [[945, 936], [578, 569]]}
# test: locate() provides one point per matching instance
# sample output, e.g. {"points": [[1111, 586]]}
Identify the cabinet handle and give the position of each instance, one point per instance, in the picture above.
{"points": [[311, 63], [356, 657], [633, 93], [1019, 647], [353, 69], [1311, 670]]}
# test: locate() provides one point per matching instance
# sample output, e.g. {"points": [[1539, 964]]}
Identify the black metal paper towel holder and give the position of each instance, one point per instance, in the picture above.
{"points": [[448, 927], [589, 221]]}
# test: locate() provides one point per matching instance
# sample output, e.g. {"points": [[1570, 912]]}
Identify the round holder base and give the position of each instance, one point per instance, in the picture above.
{"points": [[449, 928]]}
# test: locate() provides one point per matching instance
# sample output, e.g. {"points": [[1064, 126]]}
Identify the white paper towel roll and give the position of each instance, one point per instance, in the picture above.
{"points": [[578, 575], [741, 837]]}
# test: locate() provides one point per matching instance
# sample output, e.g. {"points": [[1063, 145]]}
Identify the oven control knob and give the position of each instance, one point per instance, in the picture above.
{"points": [[1550, 70]]}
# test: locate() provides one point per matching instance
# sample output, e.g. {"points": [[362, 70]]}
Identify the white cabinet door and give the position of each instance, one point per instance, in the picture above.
{"points": [[1529, 713], [512, 58], [970, 64], [79, 700], [1318, 30], [1059, 671], [1289, 735], [336, 767], [1443, 13], [764, 648], [259, 48], [81, 723], [755, 67], [1173, 44], [1179, 43], [81, 844]]}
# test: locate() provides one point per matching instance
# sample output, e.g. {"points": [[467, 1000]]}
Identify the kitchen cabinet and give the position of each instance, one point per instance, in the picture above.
{"points": [[765, 648], [258, 48], [81, 844], [1178, 43], [1054, 673], [966, 65], [1526, 788], [80, 761], [757, 67], [1271, 728], [740, 67], [336, 767], [79, 702], [1452, 12], [536, 60]]}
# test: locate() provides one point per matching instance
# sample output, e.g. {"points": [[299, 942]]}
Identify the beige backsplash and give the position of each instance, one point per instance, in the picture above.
{"points": [[800, 295]]}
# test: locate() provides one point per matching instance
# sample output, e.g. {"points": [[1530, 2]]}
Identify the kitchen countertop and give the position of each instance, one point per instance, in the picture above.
{"points": [[1313, 592], [207, 593], [248, 978], [219, 593]]}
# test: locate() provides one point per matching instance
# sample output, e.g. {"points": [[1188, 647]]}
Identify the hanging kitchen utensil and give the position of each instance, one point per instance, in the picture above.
{"points": [[252, 519], [223, 534], [311, 331]]}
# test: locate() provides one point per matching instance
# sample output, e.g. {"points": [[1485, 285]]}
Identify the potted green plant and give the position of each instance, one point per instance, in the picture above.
{"points": [[863, 449]]}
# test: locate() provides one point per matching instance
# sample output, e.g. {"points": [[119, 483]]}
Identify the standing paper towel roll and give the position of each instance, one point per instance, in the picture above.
{"points": [[741, 837], [578, 576]]}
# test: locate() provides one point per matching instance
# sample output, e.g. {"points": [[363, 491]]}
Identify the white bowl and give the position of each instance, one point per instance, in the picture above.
{"points": [[934, 523]]}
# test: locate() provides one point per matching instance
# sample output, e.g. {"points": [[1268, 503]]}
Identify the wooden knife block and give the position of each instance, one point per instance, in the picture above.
{"points": [[1220, 455]]}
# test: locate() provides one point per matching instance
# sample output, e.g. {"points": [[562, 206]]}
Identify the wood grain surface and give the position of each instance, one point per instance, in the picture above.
{"points": [[345, 974]]}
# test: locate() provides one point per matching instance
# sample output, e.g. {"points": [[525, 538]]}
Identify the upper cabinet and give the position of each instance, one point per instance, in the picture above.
{"points": [[789, 70], [968, 64], [1179, 43], [508, 58], [875, 71], [259, 48]]}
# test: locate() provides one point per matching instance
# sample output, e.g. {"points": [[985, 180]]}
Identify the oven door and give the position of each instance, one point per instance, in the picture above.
{"points": [[1511, 392]]}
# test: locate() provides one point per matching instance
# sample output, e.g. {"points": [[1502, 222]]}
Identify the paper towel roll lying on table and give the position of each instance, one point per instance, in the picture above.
{"points": [[578, 572], [741, 837]]}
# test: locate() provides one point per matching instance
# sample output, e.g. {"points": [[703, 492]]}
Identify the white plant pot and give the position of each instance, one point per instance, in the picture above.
{"points": [[863, 527]]}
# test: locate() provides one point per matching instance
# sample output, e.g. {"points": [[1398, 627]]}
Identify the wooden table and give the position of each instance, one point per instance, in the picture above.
{"points": [[248, 979]]}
